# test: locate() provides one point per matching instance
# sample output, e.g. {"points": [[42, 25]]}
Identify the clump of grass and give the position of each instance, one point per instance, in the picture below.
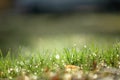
{"points": [[88, 58]]}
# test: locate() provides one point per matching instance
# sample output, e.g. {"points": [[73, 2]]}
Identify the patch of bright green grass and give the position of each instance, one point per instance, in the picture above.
{"points": [[86, 58]]}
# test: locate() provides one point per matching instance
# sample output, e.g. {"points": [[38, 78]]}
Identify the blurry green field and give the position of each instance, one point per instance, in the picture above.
{"points": [[58, 30]]}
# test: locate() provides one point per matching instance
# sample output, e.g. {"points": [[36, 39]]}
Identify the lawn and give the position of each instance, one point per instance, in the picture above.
{"points": [[73, 46], [89, 62]]}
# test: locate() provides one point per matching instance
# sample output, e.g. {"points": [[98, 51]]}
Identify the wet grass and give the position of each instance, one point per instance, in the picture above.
{"points": [[55, 36], [88, 58]]}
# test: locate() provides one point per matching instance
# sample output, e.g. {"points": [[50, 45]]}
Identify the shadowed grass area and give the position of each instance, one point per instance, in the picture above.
{"points": [[22, 29], [88, 58]]}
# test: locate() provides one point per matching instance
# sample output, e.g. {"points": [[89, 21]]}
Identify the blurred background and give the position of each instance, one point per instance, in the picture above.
{"points": [[55, 24]]}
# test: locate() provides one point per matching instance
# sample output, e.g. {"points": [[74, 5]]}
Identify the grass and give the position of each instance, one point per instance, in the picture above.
{"points": [[88, 58]]}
